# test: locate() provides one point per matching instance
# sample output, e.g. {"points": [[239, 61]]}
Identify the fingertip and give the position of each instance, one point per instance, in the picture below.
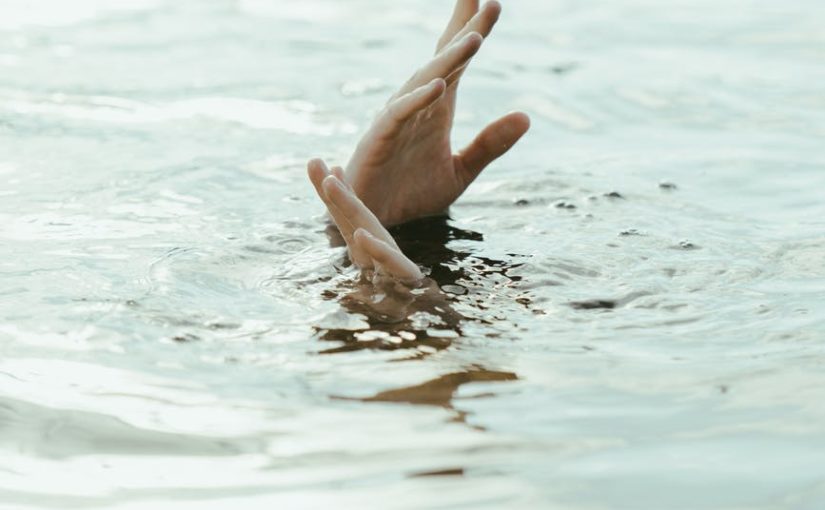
{"points": [[493, 6], [316, 163], [358, 238], [338, 172], [522, 121], [471, 44], [492, 13], [316, 170], [360, 234], [435, 89], [368, 242], [474, 39], [330, 184]]}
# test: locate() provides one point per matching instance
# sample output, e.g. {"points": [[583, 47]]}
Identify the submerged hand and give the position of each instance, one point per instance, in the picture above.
{"points": [[370, 245], [404, 167]]}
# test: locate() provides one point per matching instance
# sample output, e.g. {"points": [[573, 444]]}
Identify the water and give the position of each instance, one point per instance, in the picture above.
{"points": [[632, 310]]}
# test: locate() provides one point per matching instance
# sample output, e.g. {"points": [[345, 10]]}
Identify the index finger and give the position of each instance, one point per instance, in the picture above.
{"points": [[462, 13]]}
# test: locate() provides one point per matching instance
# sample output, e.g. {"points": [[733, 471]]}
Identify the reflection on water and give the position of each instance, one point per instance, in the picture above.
{"points": [[441, 391], [423, 318], [631, 299]]}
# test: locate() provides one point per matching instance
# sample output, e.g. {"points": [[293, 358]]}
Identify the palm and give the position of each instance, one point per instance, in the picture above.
{"points": [[404, 167], [417, 165]]}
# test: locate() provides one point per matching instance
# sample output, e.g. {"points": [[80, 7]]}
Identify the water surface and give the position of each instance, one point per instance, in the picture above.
{"points": [[632, 312]]}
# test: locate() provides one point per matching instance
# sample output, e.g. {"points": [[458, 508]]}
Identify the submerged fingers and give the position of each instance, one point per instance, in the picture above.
{"points": [[318, 172], [369, 243], [351, 207], [388, 259]]}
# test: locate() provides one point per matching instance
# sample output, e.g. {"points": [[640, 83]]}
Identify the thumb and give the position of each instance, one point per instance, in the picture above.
{"points": [[492, 143]]}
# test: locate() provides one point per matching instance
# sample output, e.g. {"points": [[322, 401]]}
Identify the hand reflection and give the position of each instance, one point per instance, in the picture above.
{"points": [[426, 319]]}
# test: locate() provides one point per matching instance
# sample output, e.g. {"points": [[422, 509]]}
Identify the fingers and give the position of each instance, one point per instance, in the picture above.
{"points": [[355, 212], [482, 22], [453, 58], [388, 259], [400, 110], [493, 141], [463, 12], [338, 172], [369, 243], [318, 171]]}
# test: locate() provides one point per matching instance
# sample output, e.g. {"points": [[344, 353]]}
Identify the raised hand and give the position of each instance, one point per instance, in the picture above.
{"points": [[370, 246], [404, 167]]}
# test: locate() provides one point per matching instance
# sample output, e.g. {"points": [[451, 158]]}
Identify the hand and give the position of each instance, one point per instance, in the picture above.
{"points": [[404, 167], [370, 245]]}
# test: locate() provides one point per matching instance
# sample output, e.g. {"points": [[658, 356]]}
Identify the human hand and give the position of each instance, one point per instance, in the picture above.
{"points": [[404, 167], [370, 246]]}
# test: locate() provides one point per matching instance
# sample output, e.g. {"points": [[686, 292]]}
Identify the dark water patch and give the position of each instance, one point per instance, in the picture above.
{"points": [[398, 319], [438, 473], [351, 341], [593, 304], [686, 246], [186, 338], [394, 312], [630, 232], [221, 326], [438, 392], [564, 205], [430, 243], [606, 304], [564, 68]]}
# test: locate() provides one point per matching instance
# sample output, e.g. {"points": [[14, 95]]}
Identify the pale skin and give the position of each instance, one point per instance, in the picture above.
{"points": [[373, 249], [369, 244], [405, 167]]}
